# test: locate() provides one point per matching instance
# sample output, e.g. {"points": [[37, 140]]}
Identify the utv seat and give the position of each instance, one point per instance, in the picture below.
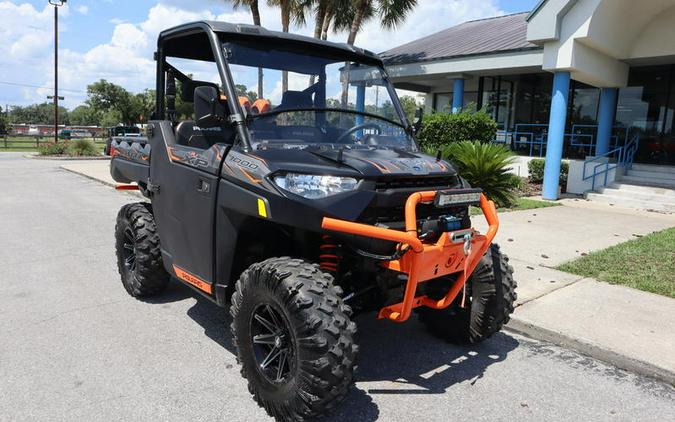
{"points": [[296, 99], [189, 135]]}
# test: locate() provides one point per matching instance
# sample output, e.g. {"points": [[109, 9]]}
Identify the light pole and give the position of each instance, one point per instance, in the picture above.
{"points": [[56, 4]]}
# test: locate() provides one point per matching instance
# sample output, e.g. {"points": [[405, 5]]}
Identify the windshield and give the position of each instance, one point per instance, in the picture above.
{"points": [[297, 98]]}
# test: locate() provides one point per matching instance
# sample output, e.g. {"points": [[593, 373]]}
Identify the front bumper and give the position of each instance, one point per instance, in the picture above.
{"points": [[454, 252]]}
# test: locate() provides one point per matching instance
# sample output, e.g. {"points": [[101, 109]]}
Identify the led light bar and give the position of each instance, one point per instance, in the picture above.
{"points": [[457, 197]]}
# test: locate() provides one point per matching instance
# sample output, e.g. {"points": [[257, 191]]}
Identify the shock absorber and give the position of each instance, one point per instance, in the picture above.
{"points": [[329, 256]]}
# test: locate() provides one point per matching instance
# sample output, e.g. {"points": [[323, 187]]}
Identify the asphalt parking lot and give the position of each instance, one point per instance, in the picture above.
{"points": [[75, 346]]}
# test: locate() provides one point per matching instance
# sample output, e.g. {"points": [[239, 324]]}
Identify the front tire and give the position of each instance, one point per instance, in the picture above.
{"points": [[491, 294], [294, 338], [139, 259]]}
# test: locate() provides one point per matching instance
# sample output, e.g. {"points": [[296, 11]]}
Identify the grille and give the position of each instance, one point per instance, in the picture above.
{"points": [[417, 183]]}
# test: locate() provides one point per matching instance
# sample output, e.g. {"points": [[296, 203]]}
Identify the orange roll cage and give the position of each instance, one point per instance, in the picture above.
{"points": [[454, 252]]}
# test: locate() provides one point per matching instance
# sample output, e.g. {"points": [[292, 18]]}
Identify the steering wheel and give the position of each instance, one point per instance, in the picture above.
{"points": [[356, 128]]}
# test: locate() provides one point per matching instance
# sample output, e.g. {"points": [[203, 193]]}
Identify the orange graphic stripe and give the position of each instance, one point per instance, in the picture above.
{"points": [[192, 279], [251, 178]]}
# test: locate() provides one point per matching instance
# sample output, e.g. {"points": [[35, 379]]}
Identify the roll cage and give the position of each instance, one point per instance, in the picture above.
{"points": [[190, 41]]}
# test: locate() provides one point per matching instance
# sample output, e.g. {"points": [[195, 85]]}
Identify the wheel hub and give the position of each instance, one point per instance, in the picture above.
{"points": [[129, 250], [272, 350]]}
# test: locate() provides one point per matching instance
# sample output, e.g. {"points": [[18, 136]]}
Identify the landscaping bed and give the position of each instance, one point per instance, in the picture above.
{"points": [[646, 263]]}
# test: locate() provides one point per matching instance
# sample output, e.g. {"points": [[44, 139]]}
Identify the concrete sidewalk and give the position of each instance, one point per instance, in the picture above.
{"points": [[98, 170], [631, 329]]}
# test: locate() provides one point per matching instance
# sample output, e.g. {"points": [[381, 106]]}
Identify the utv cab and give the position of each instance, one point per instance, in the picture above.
{"points": [[285, 182]]}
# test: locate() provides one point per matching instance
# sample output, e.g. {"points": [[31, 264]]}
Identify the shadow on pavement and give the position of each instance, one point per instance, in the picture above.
{"points": [[395, 359]]}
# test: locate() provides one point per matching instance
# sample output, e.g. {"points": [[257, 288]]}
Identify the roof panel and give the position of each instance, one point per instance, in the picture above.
{"points": [[492, 35]]}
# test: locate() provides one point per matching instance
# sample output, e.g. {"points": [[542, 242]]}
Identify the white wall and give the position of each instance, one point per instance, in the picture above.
{"points": [[592, 38], [577, 184]]}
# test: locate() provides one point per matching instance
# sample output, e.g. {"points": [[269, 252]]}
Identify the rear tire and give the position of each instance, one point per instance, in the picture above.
{"points": [[491, 294], [139, 259], [289, 307]]}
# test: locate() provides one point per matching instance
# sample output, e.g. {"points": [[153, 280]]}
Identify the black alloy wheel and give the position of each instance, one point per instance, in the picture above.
{"points": [[272, 343]]}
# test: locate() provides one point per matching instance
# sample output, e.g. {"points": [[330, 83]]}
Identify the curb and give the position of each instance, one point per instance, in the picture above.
{"points": [[103, 182], [591, 349]]}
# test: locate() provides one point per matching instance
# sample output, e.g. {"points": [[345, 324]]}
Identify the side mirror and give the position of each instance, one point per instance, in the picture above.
{"points": [[209, 112], [417, 121]]}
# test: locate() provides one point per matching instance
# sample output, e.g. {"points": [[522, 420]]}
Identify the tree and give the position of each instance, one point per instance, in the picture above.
{"points": [[3, 122], [409, 105], [39, 114], [84, 115], [390, 12], [105, 96], [291, 10], [242, 91], [144, 105], [255, 14], [110, 118]]}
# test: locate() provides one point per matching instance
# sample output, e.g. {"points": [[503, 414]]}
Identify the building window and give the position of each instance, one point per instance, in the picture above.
{"points": [[443, 101]]}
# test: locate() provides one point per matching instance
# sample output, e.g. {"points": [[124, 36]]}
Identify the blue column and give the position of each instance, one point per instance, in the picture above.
{"points": [[606, 114], [458, 95], [360, 102], [556, 134]]}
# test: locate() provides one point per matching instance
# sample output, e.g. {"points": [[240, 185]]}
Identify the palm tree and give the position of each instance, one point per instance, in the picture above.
{"points": [[291, 10], [391, 13], [255, 13]]}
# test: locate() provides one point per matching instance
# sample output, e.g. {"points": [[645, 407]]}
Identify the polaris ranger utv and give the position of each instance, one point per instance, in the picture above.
{"points": [[300, 209]]}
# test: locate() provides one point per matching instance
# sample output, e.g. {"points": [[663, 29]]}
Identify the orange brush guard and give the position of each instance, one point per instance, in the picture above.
{"points": [[454, 252]]}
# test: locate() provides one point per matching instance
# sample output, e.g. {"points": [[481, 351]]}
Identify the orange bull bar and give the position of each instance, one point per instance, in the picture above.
{"points": [[452, 253]]}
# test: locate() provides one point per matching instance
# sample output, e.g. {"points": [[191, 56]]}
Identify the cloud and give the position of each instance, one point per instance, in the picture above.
{"points": [[429, 16], [26, 48]]}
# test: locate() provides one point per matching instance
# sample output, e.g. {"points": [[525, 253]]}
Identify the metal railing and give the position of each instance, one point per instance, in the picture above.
{"points": [[29, 142], [623, 156], [530, 139]]}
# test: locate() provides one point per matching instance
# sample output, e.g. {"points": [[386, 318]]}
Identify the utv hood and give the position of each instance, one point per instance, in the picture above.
{"points": [[362, 162]]}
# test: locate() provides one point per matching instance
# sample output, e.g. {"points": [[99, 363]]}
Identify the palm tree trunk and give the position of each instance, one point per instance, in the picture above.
{"points": [[356, 26], [358, 20], [326, 23], [320, 16], [285, 21], [255, 12], [318, 26]]}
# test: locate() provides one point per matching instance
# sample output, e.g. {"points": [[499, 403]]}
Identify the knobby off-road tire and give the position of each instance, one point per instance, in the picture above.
{"points": [[316, 334], [491, 293], [139, 259]]}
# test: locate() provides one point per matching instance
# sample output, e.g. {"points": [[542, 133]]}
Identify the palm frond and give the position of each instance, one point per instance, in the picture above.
{"points": [[485, 166]]}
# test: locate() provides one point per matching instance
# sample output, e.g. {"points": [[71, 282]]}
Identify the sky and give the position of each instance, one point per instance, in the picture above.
{"points": [[115, 39]]}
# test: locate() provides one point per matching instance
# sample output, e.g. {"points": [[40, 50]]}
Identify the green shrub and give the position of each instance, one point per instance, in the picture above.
{"points": [[441, 129], [83, 148], [485, 166], [536, 170], [54, 148]]}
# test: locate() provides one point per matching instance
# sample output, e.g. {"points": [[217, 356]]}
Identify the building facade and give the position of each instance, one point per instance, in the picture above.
{"points": [[570, 79]]}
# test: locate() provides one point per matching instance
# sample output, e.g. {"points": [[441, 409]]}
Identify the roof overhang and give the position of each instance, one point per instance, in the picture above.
{"points": [[507, 62]]}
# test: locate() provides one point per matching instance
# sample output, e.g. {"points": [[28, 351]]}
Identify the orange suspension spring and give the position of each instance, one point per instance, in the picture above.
{"points": [[329, 257]]}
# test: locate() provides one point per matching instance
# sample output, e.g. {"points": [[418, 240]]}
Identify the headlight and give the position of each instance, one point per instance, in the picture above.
{"points": [[314, 187]]}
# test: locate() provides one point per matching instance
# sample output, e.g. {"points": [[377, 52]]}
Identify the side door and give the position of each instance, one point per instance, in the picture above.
{"points": [[184, 181]]}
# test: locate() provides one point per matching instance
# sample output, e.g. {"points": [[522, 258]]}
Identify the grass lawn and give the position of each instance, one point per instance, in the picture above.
{"points": [[521, 204], [646, 263]]}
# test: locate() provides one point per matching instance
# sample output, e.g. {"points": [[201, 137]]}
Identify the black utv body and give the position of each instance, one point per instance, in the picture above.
{"points": [[299, 210]]}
